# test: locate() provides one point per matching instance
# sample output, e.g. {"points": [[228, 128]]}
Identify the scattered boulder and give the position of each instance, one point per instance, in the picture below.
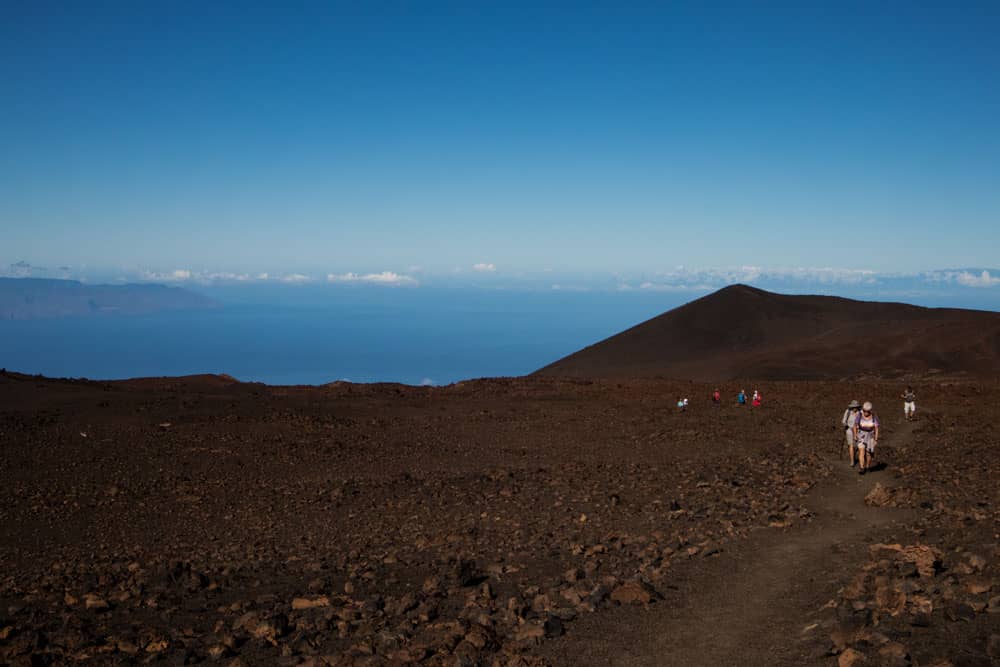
{"points": [[632, 592], [851, 658], [310, 603]]}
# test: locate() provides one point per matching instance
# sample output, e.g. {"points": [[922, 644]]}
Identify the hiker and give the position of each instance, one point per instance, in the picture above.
{"points": [[685, 403], [909, 403], [757, 399], [847, 421], [717, 398], [866, 436], [681, 405], [741, 398]]}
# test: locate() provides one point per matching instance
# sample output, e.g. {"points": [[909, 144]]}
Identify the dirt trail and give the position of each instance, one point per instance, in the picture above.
{"points": [[756, 603]]}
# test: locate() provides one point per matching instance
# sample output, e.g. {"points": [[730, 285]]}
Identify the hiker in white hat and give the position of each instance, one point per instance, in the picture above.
{"points": [[847, 421]]}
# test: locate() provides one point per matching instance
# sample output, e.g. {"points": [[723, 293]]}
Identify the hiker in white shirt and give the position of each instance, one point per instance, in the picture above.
{"points": [[909, 403]]}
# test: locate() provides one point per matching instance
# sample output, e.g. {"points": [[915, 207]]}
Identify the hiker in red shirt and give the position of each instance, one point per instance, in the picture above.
{"points": [[757, 399], [717, 398]]}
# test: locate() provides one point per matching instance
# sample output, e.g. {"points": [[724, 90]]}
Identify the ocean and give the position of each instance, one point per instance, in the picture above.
{"points": [[313, 335]]}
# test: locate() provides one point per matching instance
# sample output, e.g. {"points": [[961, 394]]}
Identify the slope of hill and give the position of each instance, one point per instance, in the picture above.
{"points": [[37, 298], [744, 332]]}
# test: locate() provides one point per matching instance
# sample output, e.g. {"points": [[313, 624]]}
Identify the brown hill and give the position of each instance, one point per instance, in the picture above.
{"points": [[744, 332]]}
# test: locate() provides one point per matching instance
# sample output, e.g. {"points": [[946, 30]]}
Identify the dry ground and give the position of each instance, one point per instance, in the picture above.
{"points": [[518, 521]]}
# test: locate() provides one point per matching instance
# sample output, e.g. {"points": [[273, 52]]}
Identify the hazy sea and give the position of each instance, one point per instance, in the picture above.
{"points": [[312, 335], [315, 334]]}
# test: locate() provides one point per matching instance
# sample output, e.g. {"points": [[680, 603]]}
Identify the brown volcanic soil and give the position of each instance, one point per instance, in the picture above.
{"points": [[744, 332], [495, 522]]}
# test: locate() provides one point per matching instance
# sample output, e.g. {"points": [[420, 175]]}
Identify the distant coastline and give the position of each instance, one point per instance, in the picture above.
{"points": [[43, 298]]}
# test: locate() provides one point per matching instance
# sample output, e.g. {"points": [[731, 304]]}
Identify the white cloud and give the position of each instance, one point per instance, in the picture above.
{"points": [[175, 276], [209, 277], [295, 278], [227, 277], [187, 275], [484, 267], [963, 277], [709, 278], [983, 279], [388, 278], [427, 382]]}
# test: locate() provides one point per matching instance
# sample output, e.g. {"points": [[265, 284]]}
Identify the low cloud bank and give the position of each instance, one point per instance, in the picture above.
{"points": [[384, 278]]}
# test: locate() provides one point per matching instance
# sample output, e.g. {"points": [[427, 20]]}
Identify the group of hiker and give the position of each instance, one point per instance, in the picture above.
{"points": [[756, 400], [861, 429], [741, 398]]}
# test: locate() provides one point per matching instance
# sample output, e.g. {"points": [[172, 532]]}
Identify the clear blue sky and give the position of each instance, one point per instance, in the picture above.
{"points": [[381, 136]]}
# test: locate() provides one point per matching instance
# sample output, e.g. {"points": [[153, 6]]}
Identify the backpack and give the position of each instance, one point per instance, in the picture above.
{"points": [[874, 420]]}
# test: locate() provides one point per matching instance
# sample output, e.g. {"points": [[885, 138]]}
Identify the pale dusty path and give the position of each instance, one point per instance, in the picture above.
{"points": [[753, 604]]}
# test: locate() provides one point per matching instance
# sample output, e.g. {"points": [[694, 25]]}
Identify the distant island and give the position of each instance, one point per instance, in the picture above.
{"points": [[40, 298]]}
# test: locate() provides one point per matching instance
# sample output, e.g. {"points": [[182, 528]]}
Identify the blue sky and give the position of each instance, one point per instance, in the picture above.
{"points": [[412, 143]]}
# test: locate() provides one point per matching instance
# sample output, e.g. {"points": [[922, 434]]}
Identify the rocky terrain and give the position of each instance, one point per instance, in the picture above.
{"points": [[492, 522], [745, 332]]}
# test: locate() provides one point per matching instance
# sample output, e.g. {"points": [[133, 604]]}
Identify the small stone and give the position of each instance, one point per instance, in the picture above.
{"points": [[92, 601], [879, 496], [711, 549], [960, 612], [217, 651], [127, 647], [299, 604], [432, 586], [157, 646], [632, 592], [476, 638], [530, 633], [465, 654], [978, 585], [893, 650], [850, 658], [890, 599]]}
